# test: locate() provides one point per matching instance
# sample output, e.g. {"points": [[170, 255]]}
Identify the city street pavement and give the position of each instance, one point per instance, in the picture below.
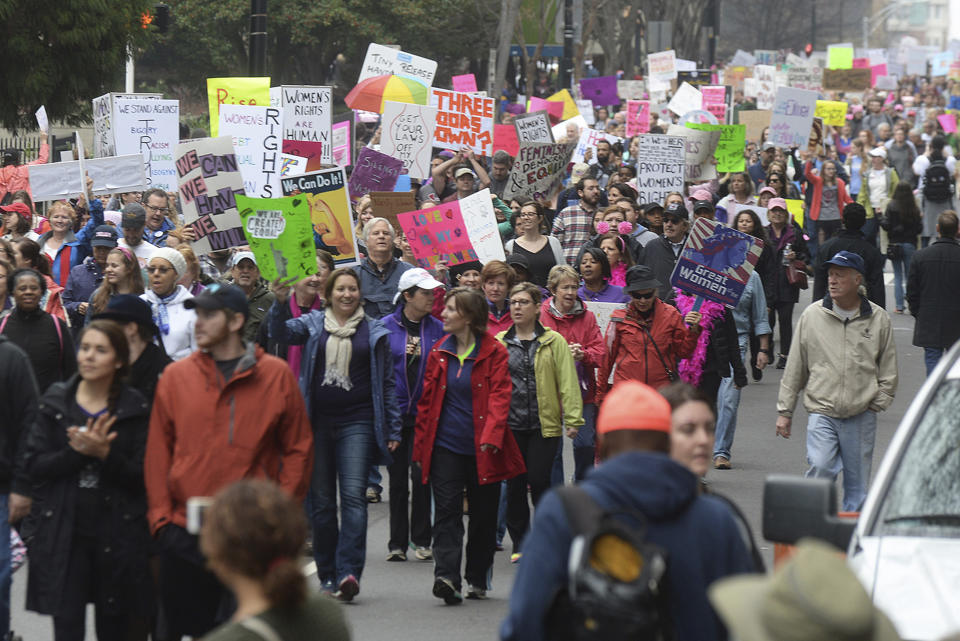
{"points": [[395, 602]]}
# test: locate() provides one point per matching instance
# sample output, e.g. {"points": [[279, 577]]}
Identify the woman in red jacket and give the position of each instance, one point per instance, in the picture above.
{"points": [[647, 339], [566, 313], [828, 200], [462, 442]]}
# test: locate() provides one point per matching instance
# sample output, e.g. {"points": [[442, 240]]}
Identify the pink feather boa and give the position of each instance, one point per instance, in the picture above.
{"points": [[691, 369]]}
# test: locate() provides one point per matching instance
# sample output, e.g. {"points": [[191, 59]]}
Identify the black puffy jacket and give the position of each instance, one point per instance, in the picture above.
{"points": [[16, 416]]}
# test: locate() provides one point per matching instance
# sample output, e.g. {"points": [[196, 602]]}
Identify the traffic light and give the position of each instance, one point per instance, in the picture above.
{"points": [[808, 49], [160, 18]]}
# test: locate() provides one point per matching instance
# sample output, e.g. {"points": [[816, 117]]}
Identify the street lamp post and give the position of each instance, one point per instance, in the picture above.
{"points": [[258, 38]]}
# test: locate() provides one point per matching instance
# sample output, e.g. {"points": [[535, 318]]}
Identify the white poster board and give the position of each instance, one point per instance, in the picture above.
{"points": [[481, 223], [381, 60], [256, 133], [150, 127], [307, 112], [59, 180], [660, 166], [407, 135]]}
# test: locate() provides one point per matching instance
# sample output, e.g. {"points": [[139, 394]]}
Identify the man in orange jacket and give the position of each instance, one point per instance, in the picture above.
{"points": [[227, 412]]}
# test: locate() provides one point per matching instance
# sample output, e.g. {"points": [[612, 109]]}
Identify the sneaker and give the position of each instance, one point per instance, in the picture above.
{"points": [[397, 555], [757, 373], [515, 557], [473, 592], [499, 547], [423, 553], [443, 589], [721, 463], [781, 361], [372, 495], [328, 587], [349, 588]]}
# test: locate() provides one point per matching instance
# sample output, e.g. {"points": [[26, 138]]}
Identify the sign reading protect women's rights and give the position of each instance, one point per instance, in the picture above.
{"points": [[463, 120], [660, 165], [210, 181], [326, 193], [716, 262], [279, 233]]}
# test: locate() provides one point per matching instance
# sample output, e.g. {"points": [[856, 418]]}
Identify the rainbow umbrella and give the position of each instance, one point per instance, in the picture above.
{"points": [[370, 94]]}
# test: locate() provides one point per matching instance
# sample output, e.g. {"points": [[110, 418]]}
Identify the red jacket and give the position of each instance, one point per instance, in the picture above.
{"points": [[16, 177], [492, 387], [495, 326], [579, 328], [634, 355], [205, 434], [843, 198]]}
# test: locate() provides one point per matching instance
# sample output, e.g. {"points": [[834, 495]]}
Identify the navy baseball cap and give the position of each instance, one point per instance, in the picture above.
{"points": [[847, 259], [128, 308], [220, 296], [676, 210], [104, 236]]}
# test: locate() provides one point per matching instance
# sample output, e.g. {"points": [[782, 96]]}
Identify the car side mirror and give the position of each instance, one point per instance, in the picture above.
{"points": [[795, 507]]}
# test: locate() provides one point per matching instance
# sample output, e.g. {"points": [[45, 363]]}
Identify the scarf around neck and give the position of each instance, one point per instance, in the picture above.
{"points": [[691, 369], [160, 315], [340, 349]]}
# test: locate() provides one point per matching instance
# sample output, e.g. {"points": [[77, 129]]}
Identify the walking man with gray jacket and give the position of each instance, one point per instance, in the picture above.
{"points": [[844, 359]]}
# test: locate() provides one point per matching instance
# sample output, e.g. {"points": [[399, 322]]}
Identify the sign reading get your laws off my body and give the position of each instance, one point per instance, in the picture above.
{"points": [[716, 262], [210, 181], [463, 120]]}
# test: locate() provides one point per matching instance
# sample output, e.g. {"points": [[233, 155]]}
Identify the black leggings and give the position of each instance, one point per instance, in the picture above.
{"points": [[538, 454], [783, 311]]}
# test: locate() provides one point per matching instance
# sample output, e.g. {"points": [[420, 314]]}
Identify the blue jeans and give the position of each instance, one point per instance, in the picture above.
{"points": [[374, 477], [342, 454], [5, 569], [728, 401], [870, 230], [932, 356], [835, 444], [901, 268], [584, 448]]}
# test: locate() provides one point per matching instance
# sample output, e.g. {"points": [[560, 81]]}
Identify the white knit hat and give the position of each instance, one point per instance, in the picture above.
{"points": [[173, 257]]}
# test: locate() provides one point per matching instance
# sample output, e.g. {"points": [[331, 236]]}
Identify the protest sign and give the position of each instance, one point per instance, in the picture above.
{"points": [[805, 77], [407, 134], [387, 204], [463, 120], [209, 176], [940, 63], [43, 123], [695, 78], [876, 72], [715, 101], [585, 109], [538, 170], [341, 141], [256, 135], [326, 192], [292, 165], [553, 108], [603, 312], [765, 56], [381, 61], [888, 83], [687, 98], [480, 221], [729, 152], [235, 91], [601, 91], [150, 127], [533, 127], [279, 234], [756, 122], [631, 89], [60, 180], [743, 59], [948, 122], [846, 79], [660, 165], [761, 213], [307, 118], [662, 65], [373, 171], [954, 72], [465, 83], [792, 117], [638, 117], [588, 140], [505, 137], [833, 112], [569, 105], [795, 208], [698, 159], [915, 60], [765, 76], [716, 262], [840, 56], [569, 129], [438, 233], [103, 138], [685, 65]]}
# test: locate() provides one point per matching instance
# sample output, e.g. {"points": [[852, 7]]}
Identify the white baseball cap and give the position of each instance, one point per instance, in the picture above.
{"points": [[416, 277], [241, 255]]}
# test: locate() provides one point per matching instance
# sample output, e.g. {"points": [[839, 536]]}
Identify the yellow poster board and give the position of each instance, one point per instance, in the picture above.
{"points": [[235, 91], [795, 207], [569, 106]]}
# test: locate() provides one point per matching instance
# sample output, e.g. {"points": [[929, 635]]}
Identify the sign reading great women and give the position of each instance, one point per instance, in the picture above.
{"points": [[210, 181], [716, 262]]}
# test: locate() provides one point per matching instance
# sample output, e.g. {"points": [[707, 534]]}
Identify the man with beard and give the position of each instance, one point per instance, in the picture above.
{"points": [[603, 167], [246, 276], [499, 172], [573, 226], [661, 255]]}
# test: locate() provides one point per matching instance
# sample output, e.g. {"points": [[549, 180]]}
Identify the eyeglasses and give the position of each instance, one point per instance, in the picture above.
{"points": [[159, 270], [159, 209], [527, 214], [642, 296], [521, 302]]}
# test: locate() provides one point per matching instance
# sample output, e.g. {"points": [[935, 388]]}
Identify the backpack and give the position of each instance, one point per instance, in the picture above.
{"points": [[937, 182], [617, 579]]}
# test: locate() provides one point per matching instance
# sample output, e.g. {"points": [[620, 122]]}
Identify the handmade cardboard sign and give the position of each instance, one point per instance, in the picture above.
{"points": [[235, 91], [256, 133], [833, 112], [326, 193], [306, 119], [538, 170], [407, 135], [438, 233], [463, 120], [638, 117], [533, 127], [729, 152], [700, 146], [660, 165], [279, 234], [150, 127], [792, 117], [60, 180], [373, 171], [381, 61]]}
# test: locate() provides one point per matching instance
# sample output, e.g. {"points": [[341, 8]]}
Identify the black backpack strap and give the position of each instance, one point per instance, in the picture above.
{"points": [[582, 511]]}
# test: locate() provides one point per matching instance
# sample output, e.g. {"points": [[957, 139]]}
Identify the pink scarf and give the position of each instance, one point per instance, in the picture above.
{"points": [[691, 369], [295, 352], [618, 275]]}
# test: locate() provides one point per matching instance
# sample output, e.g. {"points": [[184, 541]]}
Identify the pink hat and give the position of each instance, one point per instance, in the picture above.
{"points": [[767, 190], [701, 194], [775, 203]]}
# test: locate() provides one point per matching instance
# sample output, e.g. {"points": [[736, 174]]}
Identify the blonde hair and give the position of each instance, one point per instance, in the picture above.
{"points": [[558, 273], [65, 206], [193, 263]]}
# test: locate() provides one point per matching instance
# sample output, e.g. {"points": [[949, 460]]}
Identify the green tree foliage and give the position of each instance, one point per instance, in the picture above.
{"points": [[61, 53], [305, 38]]}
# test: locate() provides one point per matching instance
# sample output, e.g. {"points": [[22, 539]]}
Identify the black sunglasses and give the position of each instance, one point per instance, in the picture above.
{"points": [[639, 296]]}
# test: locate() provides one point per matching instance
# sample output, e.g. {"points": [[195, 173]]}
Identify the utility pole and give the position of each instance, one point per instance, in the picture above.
{"points": [[258, 38], [813, 23], [566, 66]]}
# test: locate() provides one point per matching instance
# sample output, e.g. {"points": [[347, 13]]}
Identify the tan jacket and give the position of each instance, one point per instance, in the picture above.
{"points": [[844, 367]]}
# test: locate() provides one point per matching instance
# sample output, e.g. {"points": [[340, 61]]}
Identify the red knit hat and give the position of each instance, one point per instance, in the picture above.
{"points": [[632, 405]]}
